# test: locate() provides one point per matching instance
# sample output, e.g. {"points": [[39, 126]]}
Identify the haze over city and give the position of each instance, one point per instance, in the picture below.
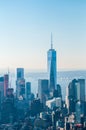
{"points": [[25, 33]]}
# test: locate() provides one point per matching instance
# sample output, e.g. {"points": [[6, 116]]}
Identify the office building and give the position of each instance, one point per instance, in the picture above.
{"points": [[43, 90], [51, 55], [78, 112], [20, 73], [82, 89], [20, 84], [73, 96], [6, 83], [28, 90], [57, 92], [1, 89], [20, 88], [76, 92]]}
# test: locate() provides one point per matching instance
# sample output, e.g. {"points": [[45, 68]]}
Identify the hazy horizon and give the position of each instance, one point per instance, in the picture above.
{"points": [[14, 70]]}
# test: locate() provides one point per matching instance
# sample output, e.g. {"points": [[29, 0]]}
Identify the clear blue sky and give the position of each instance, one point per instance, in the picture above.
{"points": [[26, 26]]}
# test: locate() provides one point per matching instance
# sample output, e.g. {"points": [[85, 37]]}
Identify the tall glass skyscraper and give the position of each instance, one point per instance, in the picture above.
{"points": [[20, 83], [20, 73], [51, 55]]}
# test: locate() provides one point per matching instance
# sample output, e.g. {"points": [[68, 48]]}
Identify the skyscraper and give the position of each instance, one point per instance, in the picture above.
{"points": [[1, 89], [51, 55], [20, 83], [43, 90], [82, 89], [6, 83], [20, 73], [76, 92], [28, 90], [57, 92]]}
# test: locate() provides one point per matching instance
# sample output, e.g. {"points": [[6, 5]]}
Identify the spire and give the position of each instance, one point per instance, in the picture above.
{"points": [[51, 41]]}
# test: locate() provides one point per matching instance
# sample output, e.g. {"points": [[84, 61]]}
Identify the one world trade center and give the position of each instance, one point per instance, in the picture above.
{"points": [[52, 69]]}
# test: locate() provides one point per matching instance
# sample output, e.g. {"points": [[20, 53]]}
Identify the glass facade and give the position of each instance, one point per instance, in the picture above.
{"points": [[20, 73], [52, 69], [20, 83]]}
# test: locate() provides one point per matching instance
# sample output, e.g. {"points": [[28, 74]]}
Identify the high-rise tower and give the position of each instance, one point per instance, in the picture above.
{"points": [[6, 83], [43, 90], [51, 54], [20, 73], [20, 83], [76, 92]]}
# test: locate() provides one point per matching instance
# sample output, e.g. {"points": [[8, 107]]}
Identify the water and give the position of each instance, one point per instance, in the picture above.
{"points": [[63, 78]]}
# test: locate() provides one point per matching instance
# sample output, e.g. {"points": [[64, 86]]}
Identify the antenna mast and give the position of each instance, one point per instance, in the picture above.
{"points": [[51, 41]]}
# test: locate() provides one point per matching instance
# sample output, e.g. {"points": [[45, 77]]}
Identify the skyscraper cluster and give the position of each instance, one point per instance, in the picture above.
{"points": [[75, 99], [23, 88], [46, 111], [48, 88]]}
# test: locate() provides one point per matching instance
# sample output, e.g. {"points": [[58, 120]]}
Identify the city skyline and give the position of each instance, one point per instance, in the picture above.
{"points": [[25, 30]]}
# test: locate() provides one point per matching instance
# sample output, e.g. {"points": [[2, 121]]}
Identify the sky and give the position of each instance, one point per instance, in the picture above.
{"points": [[25, 33]]}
